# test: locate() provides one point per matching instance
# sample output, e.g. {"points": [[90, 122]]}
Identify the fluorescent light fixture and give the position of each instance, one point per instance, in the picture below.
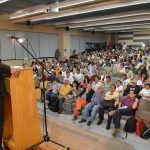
{"points": [[113, 17], [73, 3], [27, 14], [3, 1], [129, 28], [111, 22], [89, 29], [137, 2], [104, 18], [119, 27], [131, 31], [54, 8]]}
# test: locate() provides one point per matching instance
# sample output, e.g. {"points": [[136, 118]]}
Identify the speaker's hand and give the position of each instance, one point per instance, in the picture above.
{"points": [[15, 71]]}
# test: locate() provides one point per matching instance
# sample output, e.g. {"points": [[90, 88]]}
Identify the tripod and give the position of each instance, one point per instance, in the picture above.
{"points": [[46, 137]]}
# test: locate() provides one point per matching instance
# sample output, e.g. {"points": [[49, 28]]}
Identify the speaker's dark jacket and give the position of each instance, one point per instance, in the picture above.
{"points": [[4, 70]]}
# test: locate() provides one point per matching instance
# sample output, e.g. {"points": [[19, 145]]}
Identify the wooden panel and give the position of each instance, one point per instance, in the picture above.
{"points": [[21, 115]]}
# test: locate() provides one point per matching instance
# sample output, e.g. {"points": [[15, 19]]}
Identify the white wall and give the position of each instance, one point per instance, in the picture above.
{"points": [[43, 44], [79, 42]]}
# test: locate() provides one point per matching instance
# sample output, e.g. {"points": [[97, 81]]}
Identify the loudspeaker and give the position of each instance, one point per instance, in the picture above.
{"points": [[28, 22], [93, 32], [67, 28]]}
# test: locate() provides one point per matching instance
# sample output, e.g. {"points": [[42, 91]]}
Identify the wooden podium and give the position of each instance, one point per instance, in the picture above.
{"points": [[21, 121]]}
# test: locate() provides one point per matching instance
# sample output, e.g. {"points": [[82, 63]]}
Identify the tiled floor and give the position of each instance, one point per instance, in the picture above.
{"points": [[138, 143]]}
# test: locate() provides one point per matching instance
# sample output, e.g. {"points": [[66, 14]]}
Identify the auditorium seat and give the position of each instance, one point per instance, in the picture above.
{"points": [[143, 111]]}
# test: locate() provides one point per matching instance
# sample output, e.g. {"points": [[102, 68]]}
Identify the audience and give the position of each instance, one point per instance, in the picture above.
{"points": [[117, 77]]}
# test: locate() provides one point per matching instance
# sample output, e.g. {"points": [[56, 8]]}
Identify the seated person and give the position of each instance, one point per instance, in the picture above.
{"points": [[54, 91], [127, 107], [78, 76], [70, 77], [134, 87], [119, 87], [129, 73], [85, 82], [125, 80], [145, 92], [63, 92], [138, 79], [96, 84], [121, 69], [103, 76], [107, 83], [83, 101], [70, 99], [95, 105], [111, 100], [60, 77]]}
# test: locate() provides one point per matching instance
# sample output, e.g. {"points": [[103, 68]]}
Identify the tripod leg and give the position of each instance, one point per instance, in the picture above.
{"points": [[35, 145]]}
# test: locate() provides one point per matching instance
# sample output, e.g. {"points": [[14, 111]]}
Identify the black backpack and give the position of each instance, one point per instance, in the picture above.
{"points": [[130, 125], [145, 133]]}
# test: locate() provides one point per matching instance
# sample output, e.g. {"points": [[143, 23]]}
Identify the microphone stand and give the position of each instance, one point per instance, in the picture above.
{"points": [[46, 137]]}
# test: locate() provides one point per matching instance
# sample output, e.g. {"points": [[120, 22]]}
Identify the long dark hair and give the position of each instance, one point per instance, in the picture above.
{"points": [[88, 79], [77, 83]]}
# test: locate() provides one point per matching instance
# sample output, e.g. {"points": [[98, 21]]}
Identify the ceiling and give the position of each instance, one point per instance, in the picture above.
{"points": [[11, 6], [87, 15]]}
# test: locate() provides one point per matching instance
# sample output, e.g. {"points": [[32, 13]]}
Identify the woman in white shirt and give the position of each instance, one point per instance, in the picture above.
{"points": [[121, 69], [125, 80], [138, 78], [145, 92], [119, 87], [103, 76]]}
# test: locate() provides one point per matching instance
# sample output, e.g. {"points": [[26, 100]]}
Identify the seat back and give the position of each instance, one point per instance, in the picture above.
{"points": [[144, 105], [143, 111]]}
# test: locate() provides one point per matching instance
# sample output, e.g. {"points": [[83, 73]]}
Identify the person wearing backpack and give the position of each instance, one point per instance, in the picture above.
{"points": [[127, 107]]}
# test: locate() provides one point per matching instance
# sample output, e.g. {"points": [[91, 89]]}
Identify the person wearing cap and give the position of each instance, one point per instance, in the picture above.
{"points": [[134, 87], [145, 92]]}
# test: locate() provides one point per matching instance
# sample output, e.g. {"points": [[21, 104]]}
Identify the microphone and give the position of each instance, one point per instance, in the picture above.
{"points": [[9, 36]]}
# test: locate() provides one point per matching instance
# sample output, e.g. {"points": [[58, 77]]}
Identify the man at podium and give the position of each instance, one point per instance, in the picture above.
{"points": [[4, 70]]}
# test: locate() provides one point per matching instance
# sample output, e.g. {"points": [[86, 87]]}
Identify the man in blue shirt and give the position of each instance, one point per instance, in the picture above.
{"points": [[95, 105]]}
